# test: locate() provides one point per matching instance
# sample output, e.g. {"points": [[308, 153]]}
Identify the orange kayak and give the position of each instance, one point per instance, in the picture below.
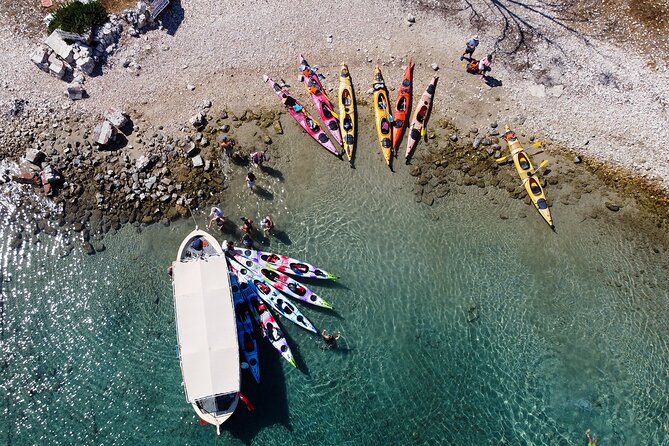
{"points": [[402, 107]]}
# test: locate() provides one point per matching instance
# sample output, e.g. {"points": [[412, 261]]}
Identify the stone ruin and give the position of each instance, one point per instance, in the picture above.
{"points": [[73, 56]]}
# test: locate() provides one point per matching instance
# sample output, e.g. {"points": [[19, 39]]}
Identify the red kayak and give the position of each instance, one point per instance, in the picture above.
{"points": [[320, 99], [298, 112], [402, 108]]}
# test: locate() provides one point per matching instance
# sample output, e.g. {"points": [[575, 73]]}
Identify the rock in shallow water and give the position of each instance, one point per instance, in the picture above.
{"points": [[612, 206]]}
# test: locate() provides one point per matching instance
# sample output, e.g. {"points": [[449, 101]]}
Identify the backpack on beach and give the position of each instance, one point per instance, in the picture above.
{"points": [[473, 67]]}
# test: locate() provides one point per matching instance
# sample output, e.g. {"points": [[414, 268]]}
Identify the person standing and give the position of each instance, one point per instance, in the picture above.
{"points": [[247, 226], [250, 180], [258, 158], [485, 65], [267, 225], [216, 215], [470, 47], [227, 145]]}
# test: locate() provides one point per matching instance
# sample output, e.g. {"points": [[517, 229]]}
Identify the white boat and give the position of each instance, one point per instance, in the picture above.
{"points": [[206, 328]]}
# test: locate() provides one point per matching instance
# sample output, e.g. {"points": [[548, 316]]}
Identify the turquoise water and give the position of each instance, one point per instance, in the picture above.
{"points": [[459, 327]]}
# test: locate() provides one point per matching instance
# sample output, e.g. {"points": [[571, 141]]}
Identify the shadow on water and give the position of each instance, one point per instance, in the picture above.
{"points": [[268, 397], [295, 349], [282, 237], [172, 17], [275, 173], [264, 193]]}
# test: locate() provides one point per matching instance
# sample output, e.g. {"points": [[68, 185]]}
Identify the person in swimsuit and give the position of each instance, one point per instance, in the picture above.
{"points": [[592, 441], [250, 180], [247, 241], [247, 226], [216, 215], [267, 225], [329, 339]]}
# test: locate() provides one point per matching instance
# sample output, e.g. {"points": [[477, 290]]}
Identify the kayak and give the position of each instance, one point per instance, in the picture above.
{"points": [[270, 328], [402, 108], [347, 112], [285, 264], [245, 328], [247, 293], [320, 99], [310, 125], [419, 123], [283, 283], [272, 297], [528, 176], [382, 113]]}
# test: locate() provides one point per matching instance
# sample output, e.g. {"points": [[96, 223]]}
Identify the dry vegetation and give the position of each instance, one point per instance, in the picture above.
{"points": [[520, 25]]}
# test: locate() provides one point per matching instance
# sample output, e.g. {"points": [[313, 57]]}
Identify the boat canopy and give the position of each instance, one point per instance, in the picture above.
{"points": [[206, 328]]}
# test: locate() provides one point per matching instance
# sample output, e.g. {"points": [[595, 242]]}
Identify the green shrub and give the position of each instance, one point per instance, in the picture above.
{"points": [[77, 17]]}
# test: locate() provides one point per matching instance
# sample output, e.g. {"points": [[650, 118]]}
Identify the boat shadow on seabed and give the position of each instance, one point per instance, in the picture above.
{"points": [[269, 397]]}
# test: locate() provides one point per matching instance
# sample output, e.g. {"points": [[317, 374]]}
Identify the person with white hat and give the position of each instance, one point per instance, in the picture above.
{"points": [[469, 49]]}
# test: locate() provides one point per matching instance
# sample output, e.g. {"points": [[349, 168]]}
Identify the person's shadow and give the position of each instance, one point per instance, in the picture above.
{"points": [[492, 82], [264, 193], [272, 172], [172, 17]]}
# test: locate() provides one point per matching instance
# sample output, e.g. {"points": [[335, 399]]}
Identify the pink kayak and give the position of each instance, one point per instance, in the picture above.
{"points": [[283, 283], [320, 99], [309, 124], [420, 119]]}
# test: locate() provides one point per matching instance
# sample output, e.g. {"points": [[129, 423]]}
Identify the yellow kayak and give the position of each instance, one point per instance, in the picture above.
{"points": [[528, 176], [383, 118], [347, 112]]}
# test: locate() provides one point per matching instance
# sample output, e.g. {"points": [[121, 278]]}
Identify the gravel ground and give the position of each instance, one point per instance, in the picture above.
{"points": [[595, 97]]}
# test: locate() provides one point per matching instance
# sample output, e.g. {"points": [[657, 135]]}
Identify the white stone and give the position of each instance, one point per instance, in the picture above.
{"points": [[116, 117], [86, 64], [59, 46], [57, 68], [104, 132], [198, 161]]}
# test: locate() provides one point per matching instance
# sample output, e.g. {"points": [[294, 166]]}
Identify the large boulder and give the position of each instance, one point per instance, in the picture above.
{"points": [[40, 57], [117, 118], [86, 64], [104, 133], [60, 47]]}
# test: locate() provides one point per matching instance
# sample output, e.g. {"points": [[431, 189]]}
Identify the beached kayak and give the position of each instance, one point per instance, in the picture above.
{"points": [[382, 114], [422, 115], [320, 99], [270, 328], [271, 296], [347, 112], [285, 264], [283, 283], [402, 108], [245, 333], [310, 125], [528, 176]]}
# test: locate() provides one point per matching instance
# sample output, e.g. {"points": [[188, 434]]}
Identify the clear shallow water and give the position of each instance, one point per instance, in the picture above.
{"points": [[458, 327]]}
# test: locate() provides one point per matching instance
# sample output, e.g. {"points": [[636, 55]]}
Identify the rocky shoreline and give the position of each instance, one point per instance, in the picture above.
{"points": [[149, 176]]}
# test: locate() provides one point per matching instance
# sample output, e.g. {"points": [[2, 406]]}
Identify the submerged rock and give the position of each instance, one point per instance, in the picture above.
{"points": [[612, 206]]}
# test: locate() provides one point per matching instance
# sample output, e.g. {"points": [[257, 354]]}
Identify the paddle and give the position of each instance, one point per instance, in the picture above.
{"points": [[536, 171], [499, 160]]}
